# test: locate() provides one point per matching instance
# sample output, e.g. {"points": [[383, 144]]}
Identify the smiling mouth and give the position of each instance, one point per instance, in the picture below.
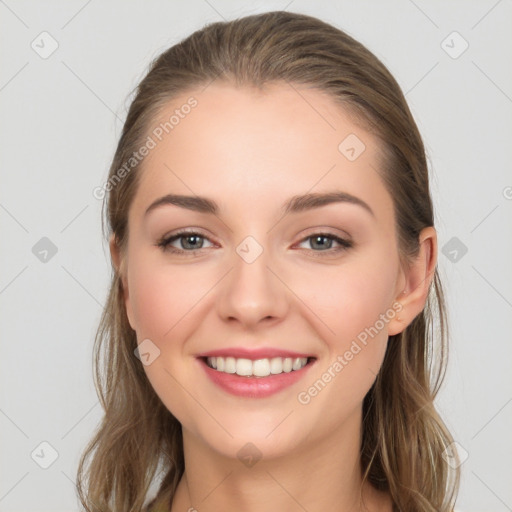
{"points": [[258, 368]]}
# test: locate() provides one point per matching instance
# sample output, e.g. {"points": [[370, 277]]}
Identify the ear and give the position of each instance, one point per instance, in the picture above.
{"points": [[119, 264], [418, 277]]}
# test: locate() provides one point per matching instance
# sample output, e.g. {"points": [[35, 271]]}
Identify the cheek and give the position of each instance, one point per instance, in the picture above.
{"points": [[353, 301], [162, 297], [350, 302], [164, 305], [152, 304], [349, 299]]}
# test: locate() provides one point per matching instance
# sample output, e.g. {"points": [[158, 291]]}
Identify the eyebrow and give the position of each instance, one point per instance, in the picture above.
{"points": [[294, 205]]}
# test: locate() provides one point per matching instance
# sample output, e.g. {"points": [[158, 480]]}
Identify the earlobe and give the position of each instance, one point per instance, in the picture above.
{"points": [[419, 275], [115, 253], [397, 324], [120, 269]]}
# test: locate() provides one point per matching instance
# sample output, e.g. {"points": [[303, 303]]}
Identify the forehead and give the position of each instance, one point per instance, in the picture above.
{"points": [[259, 147]]}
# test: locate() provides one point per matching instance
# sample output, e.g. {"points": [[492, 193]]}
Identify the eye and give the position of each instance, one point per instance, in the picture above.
{"points": [[187, 241], [323, 242], [191, 242]]}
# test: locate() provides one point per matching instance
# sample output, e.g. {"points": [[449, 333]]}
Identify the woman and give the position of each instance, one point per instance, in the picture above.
{"points": [[268, 341]]}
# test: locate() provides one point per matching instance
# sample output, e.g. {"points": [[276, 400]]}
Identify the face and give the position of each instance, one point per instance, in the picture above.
{"points": [[266, 277]]}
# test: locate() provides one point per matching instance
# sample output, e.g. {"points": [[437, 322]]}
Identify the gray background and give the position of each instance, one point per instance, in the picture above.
{"points": [[61, 118]]}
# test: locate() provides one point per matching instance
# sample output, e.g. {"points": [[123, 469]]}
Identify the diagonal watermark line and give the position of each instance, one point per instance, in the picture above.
{"points": [[82, 286], [74, 218], [75, 15], [14, 485], [210, 82], [492, 211], [300, 299], [13, 218], [424, 14], [280, 423], [91, 90], [482, 276], [491, 419], [307, 192], [421, 79], [491, 491], [485, 15], [19, 19], [13, 423], [492, 81], [14, 76], [70, 479], [286, 491], [13, 279], [199, 403], [372, 372], [198, 301], [217, 486], [75, 425], [95, 505], [289, 83], [206, 1]]}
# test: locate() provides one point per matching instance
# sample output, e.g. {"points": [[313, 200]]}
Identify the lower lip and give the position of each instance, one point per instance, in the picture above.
{"points": [[254, 387]]}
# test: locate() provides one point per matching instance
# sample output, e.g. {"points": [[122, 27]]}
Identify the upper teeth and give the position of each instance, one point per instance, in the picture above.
{"points": [[258, 368]]}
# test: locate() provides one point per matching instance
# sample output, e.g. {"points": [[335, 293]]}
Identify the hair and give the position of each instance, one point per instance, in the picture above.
{"points": [[403, 436]]}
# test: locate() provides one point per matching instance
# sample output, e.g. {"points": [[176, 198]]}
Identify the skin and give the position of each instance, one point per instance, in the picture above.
{"points": [[251, 151]]}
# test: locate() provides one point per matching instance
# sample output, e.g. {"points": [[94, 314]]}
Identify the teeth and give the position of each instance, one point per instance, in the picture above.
{"points": [[297, 363], [229, 364], [261, 368], [258, 368], [244, 367]]}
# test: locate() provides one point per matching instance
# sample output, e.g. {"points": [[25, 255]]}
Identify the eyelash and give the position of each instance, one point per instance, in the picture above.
{"points": [[164, 243]]}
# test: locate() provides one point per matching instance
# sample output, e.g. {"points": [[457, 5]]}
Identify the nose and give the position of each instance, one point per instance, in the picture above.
{"points": [[252, 293]]}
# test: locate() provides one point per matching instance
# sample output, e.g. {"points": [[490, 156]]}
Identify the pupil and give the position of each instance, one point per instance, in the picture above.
{"points": [[322, 246], [192, 245]]}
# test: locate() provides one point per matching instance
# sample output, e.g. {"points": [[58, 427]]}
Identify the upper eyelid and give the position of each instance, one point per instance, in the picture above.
{"points": [[180, 234], [166, 239]]}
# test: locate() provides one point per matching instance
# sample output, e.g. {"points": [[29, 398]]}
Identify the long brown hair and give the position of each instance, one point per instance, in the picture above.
{"points": [[139, 441]]}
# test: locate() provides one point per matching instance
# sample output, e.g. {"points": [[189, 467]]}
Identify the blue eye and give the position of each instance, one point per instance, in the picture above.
{"points": [[191, 243], [188, 240], [322, 242]]}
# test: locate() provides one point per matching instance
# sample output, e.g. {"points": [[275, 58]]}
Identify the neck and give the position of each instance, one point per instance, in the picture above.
{"points": [[321, 475]]}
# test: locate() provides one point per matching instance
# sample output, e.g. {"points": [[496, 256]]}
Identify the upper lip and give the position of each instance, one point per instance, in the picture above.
{"points": [[253, 354]]}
